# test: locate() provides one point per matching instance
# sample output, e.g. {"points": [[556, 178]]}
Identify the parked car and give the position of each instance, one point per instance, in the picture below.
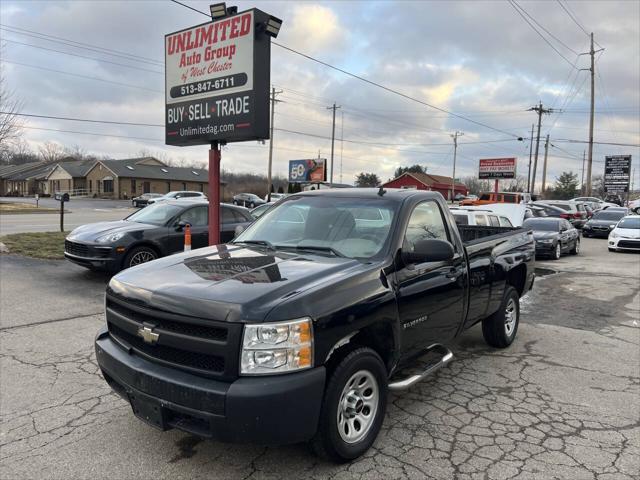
{"points": [[155, 231], [614, 198], [177, 196], [256, 212], [576, 211], [466, 216], [553, 236], [535, 211], [500, 197], [626, 234], [553, 211], [587, 199], [634, 206], [275, 197], [247, 200], [297, 330], [624, 210], [601, 224], [142, 200]]}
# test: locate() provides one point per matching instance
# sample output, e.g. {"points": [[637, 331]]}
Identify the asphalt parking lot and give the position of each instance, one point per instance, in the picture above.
{"points": [[562, 402], [80, 211]]}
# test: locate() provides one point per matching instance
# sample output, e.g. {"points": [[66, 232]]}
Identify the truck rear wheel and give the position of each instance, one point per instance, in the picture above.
{"points": [[353, 407], [499, 330]]}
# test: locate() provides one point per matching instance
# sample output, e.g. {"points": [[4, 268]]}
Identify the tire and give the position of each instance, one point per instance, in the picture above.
{"points": [[138, 256], [500, 329], [576, 248], [557, 253], [338, 438], [251, 205], [235, 202], [585, 235]]}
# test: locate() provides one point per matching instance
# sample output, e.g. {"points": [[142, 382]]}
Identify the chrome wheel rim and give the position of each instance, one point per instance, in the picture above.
{"points": [[141, 257], [358, 406], [510, 317]]}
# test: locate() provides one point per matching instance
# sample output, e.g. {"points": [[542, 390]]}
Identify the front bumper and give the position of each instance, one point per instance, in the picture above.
{"points": [[269, 410], [110, 263], [596, 232], [631, 244], [545, 248]]}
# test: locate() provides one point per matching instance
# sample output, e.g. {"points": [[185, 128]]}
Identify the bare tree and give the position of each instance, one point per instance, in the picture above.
{"points": [[10, 122], [51, 152]]}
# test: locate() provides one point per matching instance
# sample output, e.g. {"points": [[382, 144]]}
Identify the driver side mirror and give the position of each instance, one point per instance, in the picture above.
{"points": [[430, 250], [180, 225]]}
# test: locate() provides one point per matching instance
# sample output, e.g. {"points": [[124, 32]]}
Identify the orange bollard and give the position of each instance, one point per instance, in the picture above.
{"points": [[187, 238]]}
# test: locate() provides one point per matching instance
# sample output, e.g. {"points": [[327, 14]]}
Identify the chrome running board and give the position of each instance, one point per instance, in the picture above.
{"points": [[446, 357]]}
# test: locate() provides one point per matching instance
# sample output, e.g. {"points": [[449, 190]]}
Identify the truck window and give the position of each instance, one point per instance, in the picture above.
{"points": [[461, 219], [494, 221], [505, 222], [481, 220], [425, 223], [510, 198], [485, 196]]}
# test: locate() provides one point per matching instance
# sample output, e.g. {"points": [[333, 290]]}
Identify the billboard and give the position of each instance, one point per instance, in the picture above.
{"points": [[617, 173], [497, 168], [304, 171], [217, 81]]}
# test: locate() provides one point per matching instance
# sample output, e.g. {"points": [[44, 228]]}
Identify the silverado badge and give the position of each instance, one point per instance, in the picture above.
{"points": [[148, 335]]}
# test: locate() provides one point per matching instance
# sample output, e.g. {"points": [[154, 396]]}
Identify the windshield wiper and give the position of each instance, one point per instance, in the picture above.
{"points": [[319, 248], [264, 243]]}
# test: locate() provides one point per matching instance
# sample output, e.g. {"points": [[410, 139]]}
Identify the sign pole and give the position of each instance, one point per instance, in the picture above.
{"points": [[215, 156], [62, 215], [495, 187]]}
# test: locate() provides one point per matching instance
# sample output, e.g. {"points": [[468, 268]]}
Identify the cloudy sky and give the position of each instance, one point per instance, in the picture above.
{"points": [[478, 59]]}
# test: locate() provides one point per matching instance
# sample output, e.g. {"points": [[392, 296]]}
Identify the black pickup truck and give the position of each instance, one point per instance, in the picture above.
{"points": [[297, 329]]}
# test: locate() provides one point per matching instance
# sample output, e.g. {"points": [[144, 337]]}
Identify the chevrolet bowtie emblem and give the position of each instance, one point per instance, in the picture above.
{"points": [[148, 335]]}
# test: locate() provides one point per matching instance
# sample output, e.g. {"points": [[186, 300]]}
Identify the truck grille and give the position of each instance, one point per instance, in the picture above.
{"points": [[201, 346], [74, 248]]}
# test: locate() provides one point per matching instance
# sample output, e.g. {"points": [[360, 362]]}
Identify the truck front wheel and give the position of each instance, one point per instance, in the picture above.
{"points": [[353, 407], [499, 330]]}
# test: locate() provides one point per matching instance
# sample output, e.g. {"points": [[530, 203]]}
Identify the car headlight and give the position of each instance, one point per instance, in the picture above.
{"points": [[546, 240], [612, 226], [110, 237], [277, 347], [614, 235]]}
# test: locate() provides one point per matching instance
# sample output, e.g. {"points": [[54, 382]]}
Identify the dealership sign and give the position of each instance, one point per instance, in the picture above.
{"points": [[308, 171], [617, 173], [217, 81], [497, 168]]}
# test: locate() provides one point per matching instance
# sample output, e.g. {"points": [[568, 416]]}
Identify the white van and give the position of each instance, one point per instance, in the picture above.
{"points": [[464, 216]]}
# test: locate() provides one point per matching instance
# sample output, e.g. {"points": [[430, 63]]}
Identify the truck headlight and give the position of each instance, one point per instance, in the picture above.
{"points": [[280, 347]]}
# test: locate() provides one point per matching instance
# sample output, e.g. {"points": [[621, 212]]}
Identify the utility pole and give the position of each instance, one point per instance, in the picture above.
{"points": [[333, 137], [273, 111], [544, 167], [590, 157], [341, 141], [539, 109], [584, 157], [530, 154], [455, 152]]}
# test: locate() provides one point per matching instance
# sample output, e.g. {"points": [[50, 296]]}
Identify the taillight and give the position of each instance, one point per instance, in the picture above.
{"points": [[577, 215], [564, 215]]}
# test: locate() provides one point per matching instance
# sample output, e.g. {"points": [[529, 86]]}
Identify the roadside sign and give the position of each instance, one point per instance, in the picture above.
{"points": [[308, 171], [497, 168], [217, 81], [617, 173]]}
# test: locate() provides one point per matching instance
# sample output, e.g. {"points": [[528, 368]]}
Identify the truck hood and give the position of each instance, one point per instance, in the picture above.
{"points": [[228, 282], [91, 231]]}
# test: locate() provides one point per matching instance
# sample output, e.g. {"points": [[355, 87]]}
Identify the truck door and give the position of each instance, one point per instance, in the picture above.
{"points": [[430, 295]]}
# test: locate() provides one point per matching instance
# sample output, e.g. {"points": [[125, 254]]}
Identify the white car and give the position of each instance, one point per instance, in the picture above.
{"points": [[626, 234], [178, 195], [275, 197]]}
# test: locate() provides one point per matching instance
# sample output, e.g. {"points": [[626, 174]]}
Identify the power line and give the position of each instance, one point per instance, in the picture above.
{"points": [[94, 134], [570, 140], [80, 45], [86, 120], [84, 56], [567, 9], [516, 7], [548, 32], [370, 82], [80, 76]]}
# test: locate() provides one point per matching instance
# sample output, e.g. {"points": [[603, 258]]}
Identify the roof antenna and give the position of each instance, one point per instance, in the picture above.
{"points": [[381, 191]]}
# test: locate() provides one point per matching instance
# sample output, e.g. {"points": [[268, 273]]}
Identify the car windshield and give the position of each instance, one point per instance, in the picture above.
{"points": [[349, 227], [155, 214], [613, 216], [540, 225], [633, 223]]}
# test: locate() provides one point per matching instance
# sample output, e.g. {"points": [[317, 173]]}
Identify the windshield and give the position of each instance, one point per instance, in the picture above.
{"points": [[613, 216], [349, 227], [155, 214], [632, 222], [541, 225]]}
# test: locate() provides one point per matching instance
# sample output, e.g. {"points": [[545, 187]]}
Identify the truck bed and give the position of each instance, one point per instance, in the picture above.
{"points": [[473, 234]]}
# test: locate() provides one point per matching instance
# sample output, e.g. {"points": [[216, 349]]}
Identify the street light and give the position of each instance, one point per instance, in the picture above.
{"points": [[218, 10], [272, 27]]}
